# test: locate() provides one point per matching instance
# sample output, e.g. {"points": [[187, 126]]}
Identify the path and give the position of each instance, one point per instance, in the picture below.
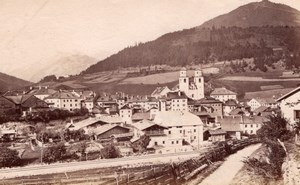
{"points": [[75, 166], [226, 172]]}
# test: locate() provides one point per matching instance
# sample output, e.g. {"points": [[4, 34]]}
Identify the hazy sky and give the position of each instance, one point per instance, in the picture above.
{"points": [[38, 34]]}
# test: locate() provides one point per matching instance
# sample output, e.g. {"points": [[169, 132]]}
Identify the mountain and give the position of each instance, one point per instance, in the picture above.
{"points": [[61, 66], [257, 14], [252, 30], [8, 82]]}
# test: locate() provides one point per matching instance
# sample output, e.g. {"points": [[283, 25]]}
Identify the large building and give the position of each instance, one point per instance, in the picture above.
{"points": [[223, 94], [193, 89], [64, 100]]}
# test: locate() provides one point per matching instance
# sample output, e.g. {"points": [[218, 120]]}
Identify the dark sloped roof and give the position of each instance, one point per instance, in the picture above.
{"points": [[177, 95], [222, 91], [208, 100]]}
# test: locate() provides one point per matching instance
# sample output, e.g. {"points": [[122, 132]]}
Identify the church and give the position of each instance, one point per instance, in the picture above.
{"points": [[193, 88]]}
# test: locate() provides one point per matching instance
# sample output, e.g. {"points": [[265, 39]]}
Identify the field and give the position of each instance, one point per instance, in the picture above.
{"points": [[258, 79], [267, 94], [163, 78]]}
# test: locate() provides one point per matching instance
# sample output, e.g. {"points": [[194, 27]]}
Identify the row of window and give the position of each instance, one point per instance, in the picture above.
{"points": [[251, 125]]}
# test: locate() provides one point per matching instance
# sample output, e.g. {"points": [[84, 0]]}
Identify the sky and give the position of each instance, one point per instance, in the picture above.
{"points": [[42, 37]]}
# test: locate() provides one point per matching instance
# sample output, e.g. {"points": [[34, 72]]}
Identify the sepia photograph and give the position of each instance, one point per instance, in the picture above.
{"points": [[150, 92]]}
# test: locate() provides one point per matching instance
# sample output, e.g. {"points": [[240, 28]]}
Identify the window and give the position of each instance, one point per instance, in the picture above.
{"points": [[172, 142], [163, 142], [251, 125], [169, 131], [70, 105], [195, 137], [195, 130], [180, 131], [245, 125], [176, 142], [155, 143], [199, 80], [184, 80], [297, 114]]}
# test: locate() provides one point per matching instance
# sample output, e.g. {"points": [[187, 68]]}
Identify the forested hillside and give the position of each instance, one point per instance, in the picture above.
{"points": [[253, 30]]}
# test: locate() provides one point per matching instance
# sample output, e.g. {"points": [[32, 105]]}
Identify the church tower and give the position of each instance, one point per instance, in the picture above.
{"points": [[183, 81], [199, 82]]}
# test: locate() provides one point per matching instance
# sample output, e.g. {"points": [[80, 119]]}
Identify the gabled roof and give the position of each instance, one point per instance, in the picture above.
{"points": [[265, 100], [208, 100], [63, 95], [261, 109], [217, 132], [158, 90], [141, 116], [288, 94], [231, 103], [144, 124], [222, 91], [104, 128], [177, 118], [237, 111], [125, 107], [231, 124]]}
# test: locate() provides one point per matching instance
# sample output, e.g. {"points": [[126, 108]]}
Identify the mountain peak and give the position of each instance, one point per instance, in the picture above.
{"points": [[257, 14]]}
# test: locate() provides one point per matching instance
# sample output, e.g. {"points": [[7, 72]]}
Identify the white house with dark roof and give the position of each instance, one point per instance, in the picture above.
{"points": [[177, 101], [156, 133], [125, 113], [290, 106], [223, 94], [183, 127], [64, 100], [254, 103]]}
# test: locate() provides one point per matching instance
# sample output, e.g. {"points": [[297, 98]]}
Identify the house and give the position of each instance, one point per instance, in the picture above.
{"points": [[156, 133], [107, 132], [229, 106], [177, 101], [263, 111], [215, 135], [160, 92], [139, 116], [30, 103], [254, 103], [7, 104], [250, 125], [64, 100], [183, 127], [223, 94], [290, 106], [41, 92], [126, 114], [88, 103], [88, 125], [194, 89], [231, 125], [212, 105]]}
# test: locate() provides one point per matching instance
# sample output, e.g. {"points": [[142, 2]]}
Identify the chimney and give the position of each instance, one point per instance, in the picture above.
{"points": [[71, 121], [40, 87], [179, 93]]}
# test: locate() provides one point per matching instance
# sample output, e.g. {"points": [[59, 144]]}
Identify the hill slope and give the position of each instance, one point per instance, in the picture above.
{"points": [[257, 14], [8, 82], [252, 31]]}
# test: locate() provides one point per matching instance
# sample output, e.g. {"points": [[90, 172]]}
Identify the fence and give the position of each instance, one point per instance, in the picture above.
{"points": [[174, 173]]}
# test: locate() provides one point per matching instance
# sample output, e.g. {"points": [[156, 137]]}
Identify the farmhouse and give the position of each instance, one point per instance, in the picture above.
{"points": [[290, 106], [223, 94], [64, 100], [183, 127], [254, 103]]}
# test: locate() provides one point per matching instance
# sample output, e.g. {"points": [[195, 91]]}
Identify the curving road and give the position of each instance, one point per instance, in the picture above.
{"points": [[226, 172]]}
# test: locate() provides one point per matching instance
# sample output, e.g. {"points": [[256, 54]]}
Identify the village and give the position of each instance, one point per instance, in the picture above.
{"points": [[170, 120]]}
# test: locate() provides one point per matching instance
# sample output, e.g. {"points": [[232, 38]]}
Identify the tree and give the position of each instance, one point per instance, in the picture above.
{"points": [[54, 153], [8, 157], [271, 134], [141, 145], [110, 151]]}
